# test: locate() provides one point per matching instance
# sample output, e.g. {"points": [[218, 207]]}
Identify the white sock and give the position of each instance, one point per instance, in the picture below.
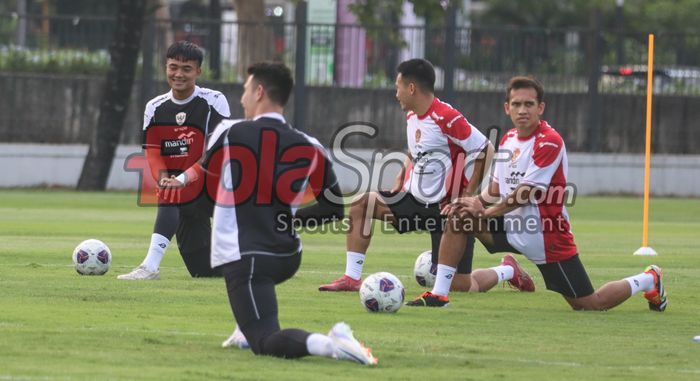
{"points": [[319, 345], [443, 280], [504, 272], [156, 251], [353, 264], [641, 282]]}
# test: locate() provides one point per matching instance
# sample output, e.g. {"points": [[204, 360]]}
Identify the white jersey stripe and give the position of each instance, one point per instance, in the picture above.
{"points": [[250, 287]]}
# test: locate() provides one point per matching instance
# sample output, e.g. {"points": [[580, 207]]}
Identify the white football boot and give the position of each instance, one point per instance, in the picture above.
{"points": [[237, 339], [140, 273], [346, 347]]}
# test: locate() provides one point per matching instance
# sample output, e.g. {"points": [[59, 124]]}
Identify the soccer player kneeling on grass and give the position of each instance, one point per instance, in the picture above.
{"points": [[442, 144], [175, 127], [261, 170], [522, 211]]}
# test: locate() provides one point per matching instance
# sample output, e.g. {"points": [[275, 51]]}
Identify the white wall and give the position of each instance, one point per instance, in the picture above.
{"points": [[30, 165]]}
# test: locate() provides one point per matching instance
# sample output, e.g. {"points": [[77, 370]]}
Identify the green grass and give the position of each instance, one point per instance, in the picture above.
{"points": [[57, 325]]}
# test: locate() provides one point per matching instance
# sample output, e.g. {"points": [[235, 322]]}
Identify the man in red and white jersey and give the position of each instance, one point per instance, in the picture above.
{"points": [[441, 144], [526, 214]]}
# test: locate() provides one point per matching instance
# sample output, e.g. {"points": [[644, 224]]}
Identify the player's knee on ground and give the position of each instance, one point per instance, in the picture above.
{"points": [[210, 273], [199, 265], [287, 343]]}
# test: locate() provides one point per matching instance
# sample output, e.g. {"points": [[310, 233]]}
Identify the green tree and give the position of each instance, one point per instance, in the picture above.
{"points": [[538, 13], [662, 15], [641, 16], [372, 13]]}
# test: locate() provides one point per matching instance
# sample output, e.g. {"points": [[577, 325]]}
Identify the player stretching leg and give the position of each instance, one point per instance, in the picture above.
{"points": [[441, 143], [526, 214], [180, 120]]}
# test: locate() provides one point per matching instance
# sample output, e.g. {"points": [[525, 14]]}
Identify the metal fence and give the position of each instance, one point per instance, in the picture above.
{"points": [[566, 60]]}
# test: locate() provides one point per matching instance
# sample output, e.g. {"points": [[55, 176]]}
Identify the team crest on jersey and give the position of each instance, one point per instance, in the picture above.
{"points": [[180, 118], [516, 154], [418, 133]]}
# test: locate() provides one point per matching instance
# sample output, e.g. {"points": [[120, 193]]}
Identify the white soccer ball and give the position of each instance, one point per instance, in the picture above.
{"points": [[382, 292], [92, 257], [424, 270]]}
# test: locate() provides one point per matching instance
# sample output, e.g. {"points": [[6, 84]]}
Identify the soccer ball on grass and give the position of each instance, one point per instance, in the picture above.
{"points": [[92, 257], [382, 292], [424, 270]]}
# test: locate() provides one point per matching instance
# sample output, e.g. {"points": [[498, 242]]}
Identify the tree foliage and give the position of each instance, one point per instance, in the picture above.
{"points": [[640, 16], [375, 13], [539, 13]]}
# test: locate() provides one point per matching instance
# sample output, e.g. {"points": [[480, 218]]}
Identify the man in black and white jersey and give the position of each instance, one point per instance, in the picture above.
{"points": [[262, 172], [176, 125]]}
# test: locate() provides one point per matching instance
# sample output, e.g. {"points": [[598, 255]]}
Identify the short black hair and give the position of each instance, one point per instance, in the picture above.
{"points": [[420, 71], [275, 78], [523, 82], [185, 51]]}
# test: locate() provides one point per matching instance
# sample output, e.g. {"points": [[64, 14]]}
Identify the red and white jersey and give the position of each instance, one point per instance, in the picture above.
{"points": [[441, 142], [540, 229]]}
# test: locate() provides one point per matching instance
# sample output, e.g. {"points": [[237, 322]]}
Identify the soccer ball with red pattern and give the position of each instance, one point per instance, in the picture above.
{"points": [[382, 292], [92, 257], [424, 270]]}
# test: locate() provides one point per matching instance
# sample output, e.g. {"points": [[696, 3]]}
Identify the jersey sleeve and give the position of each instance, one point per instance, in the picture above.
{"points": [[214, 145], [219, 129], [546, 157], [148, 115], [221, 105], [147, 121], [219, 112], [462, 133]]}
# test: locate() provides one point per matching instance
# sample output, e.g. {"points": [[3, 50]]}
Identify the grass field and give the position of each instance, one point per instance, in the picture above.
{"points": [[58, 325]]}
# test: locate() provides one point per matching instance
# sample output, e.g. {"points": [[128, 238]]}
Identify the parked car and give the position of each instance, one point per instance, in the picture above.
{"points": [[671, 80]]}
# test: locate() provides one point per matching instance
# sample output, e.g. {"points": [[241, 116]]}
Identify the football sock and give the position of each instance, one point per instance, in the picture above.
{"points": [[641, 282], [319, 345], [155, 252], [443, 280], [353, 264], [504, 272]]}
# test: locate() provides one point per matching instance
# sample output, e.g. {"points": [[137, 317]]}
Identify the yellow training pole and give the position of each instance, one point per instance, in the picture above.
{"points": [[645, 249]]}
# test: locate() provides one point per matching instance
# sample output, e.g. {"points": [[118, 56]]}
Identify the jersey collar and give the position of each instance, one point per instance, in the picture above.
{"points": [[534, 132], [183, 101], [271, 115], [430, 109]]}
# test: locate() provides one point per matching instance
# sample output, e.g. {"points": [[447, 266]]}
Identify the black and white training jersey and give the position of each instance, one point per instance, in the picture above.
{"points": [[260, 172], [178, 128]]}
